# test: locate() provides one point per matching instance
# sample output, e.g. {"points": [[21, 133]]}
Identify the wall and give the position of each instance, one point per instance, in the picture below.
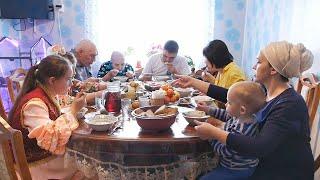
{"points": [[71, 24], [72, 30], [291, 20], [229, 25]]}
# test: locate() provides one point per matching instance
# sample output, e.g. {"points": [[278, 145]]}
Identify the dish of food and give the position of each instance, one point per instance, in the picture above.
{"points": [[161, 78], [185, 101], [155, 118], [184, 92], [190, 116], [160, 112], [100, 122], [206, 99], [121, 78]]}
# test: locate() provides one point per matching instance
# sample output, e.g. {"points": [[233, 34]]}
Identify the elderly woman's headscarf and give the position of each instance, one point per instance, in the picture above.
{"points": [[288, 59]]}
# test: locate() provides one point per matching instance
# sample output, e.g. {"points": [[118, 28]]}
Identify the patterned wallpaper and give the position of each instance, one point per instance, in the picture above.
{"points": [[272, 20], [72, 30], [229, 25]]}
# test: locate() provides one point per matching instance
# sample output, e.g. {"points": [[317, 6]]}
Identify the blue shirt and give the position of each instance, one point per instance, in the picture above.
{"points": [[228, 157], [107, 66]]}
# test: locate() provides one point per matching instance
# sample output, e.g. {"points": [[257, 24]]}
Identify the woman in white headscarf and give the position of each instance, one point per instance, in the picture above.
{"points": [[283, 143]]}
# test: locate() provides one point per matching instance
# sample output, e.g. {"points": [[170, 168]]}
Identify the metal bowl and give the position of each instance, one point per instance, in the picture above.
{"points": [[158, 123]]}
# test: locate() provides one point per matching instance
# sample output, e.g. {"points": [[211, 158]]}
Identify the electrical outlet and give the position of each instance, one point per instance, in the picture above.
{"points": [[58, 5]]}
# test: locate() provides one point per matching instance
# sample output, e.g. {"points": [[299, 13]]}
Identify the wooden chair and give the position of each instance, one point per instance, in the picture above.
{"points": [[17, 157], [2, 110], [15, 82], [312, 96]]}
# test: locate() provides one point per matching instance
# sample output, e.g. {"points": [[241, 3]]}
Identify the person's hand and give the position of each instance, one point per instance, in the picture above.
{"points": [[78, 103], [202, 106], [206, 76], [92, 79], [129, 74], [171, 68], [110, 74], [183, 81], [204, 130]]}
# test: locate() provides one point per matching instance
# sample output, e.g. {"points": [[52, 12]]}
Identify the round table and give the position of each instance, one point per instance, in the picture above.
{"points": [[131, 153]]}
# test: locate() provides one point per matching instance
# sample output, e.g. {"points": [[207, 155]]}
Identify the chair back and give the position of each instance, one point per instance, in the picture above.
{"points": [[14, 155], [15, 82], [312, 95], [2, 110]]}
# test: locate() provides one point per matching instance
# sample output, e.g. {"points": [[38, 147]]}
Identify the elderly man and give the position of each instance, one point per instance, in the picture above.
{"points": [[166, 63], [85, 52], [115, 67]]}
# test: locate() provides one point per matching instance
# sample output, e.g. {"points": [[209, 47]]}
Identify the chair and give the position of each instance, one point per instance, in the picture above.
{"points": [[2, 110], [312, 96], [15, 158], [15, 82]]}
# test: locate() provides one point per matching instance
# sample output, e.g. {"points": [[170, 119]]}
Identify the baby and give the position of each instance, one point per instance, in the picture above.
{"points": [[244, 99]]}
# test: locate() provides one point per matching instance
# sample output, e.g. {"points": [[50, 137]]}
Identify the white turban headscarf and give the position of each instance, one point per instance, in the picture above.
{"points": [[288, 59]]}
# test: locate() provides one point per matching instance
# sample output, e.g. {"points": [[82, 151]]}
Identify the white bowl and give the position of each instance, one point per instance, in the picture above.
{"points": [[191, 118], [101, 122], [121, 78], [208, 100], [184, 92], [161, 78]]}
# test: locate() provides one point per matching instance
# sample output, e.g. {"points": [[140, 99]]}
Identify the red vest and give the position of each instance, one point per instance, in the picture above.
{"points": [[33, 151]]}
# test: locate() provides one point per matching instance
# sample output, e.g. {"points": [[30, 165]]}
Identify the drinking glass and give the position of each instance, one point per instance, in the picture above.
{"points": [[144, 101], [125, 103]]}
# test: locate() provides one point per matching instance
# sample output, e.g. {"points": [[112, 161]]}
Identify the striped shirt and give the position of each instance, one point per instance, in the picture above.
{"points": [[229, 158]]}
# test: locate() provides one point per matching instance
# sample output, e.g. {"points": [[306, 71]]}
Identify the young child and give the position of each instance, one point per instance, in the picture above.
{"points": [[244, 100], [36, 113]]}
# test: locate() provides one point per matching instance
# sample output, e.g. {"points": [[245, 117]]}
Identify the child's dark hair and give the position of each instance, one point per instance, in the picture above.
{"points": [[51, 66]]}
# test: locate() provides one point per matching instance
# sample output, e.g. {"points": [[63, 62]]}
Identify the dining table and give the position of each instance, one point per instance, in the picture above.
{"points": [[133, 153]]}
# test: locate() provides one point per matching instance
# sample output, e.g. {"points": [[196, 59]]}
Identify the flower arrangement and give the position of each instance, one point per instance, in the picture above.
{"points": [[155, 48]]}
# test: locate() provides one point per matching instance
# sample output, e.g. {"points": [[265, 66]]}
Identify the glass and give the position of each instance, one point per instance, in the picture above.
{"points": [[144, 101], [112, 97], [125, 104], [98, 101]]}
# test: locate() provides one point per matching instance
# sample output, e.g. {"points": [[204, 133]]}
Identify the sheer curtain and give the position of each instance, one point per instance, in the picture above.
{"points": [[134, 27]]}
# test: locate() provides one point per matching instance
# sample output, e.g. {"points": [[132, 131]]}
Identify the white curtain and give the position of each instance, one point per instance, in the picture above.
{"points": [[133, 27]]}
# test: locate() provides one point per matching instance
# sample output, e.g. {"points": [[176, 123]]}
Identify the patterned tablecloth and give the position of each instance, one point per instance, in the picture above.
{"points": [[185, 167]]}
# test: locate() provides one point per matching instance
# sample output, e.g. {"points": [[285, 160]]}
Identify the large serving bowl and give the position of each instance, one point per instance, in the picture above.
{"points": [[190, 118], [100, 122], [158, 123]]}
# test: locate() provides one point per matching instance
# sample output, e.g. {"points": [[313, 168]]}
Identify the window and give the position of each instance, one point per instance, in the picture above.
{"points": [[135, 26]]}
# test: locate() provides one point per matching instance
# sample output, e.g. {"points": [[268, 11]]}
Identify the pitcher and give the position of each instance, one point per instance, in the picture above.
{"points": [[112, 97]]}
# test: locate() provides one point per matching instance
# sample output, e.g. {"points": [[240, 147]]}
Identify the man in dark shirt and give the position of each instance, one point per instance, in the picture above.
{"points": [[85, 52]]}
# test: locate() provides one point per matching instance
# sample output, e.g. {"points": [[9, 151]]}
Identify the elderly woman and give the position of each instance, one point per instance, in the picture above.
{"points": [[283, 143], [115, 67], [220, 63]]}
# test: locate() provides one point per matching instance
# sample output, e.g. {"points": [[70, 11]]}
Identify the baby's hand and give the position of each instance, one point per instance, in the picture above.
{"points": [[202, 106], [204, 130]]}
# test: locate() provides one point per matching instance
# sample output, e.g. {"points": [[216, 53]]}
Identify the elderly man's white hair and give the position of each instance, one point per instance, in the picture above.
{"points": [[85, 44], [116, 56]]}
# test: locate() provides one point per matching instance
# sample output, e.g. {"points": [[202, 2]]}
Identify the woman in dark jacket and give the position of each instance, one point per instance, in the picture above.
{"points": [[283, 143]]}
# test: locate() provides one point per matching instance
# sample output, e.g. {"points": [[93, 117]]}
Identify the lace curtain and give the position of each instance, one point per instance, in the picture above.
{"points": [[134, 27]]}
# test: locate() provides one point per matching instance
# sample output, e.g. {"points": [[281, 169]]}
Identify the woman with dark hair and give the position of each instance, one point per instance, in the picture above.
{"points": [[37, 114], [283, 142], [219, 61]]}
